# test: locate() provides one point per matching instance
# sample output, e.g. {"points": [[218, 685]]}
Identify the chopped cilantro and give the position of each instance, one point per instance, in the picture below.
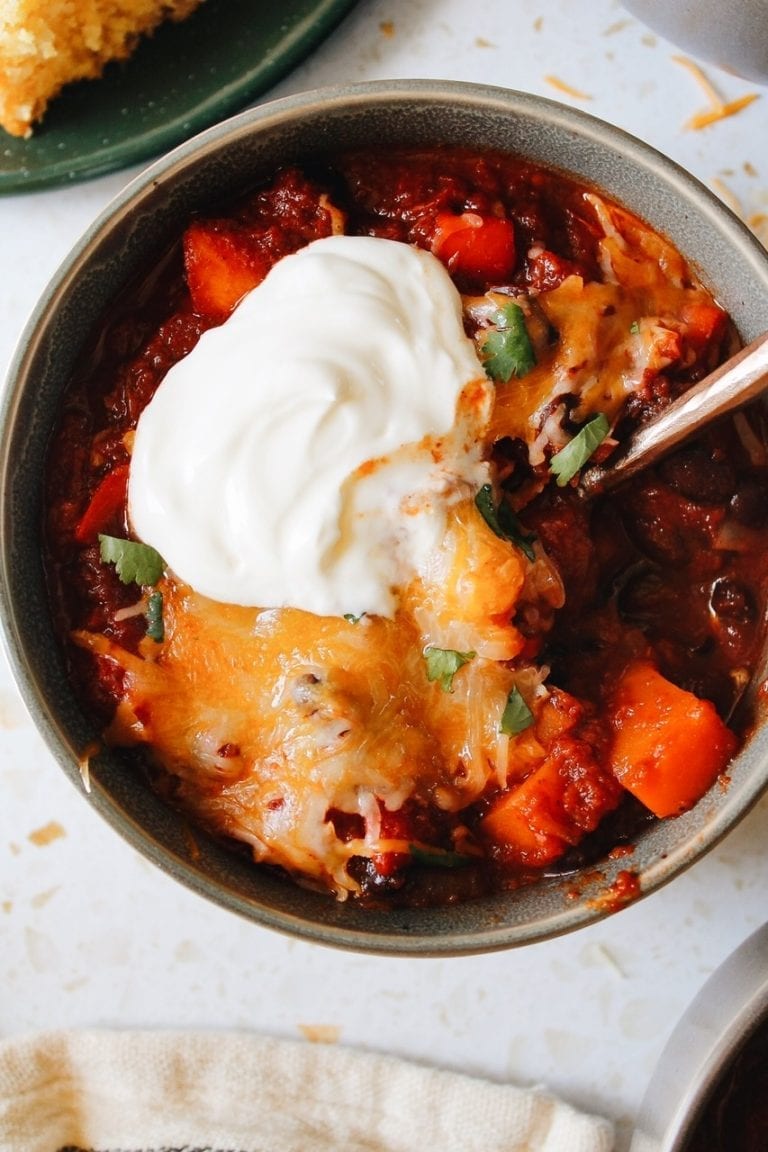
{"points": [[135, 563], [503, 521], [634, 327], [444, 663], [507, 350], [352, 619], [516, 716], [437, 858], [566, 463], [155, 625]]}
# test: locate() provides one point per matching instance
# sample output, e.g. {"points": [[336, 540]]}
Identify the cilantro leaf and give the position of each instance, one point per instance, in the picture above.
{"points": [[155, 625], [566, 463], [444, 663], [503, 522], [507, 350], [437, 858], [135, 563], [352, 619], [516, 716]]}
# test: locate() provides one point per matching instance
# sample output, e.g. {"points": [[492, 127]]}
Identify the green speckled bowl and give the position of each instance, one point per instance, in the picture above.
{"points": [[177, 82], [124, 240]]}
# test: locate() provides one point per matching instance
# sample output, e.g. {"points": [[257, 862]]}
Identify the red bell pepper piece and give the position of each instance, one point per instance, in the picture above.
{"points": [[482, 247], [108, 499]]}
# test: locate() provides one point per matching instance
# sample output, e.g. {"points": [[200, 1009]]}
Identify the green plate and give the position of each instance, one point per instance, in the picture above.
{"points": [[184, 78]]}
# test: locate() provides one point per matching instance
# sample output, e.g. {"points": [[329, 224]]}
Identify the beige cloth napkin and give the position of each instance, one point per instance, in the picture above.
{"points": [[113, 1091]]}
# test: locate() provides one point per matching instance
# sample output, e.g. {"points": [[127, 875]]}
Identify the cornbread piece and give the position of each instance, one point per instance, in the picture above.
{"points": [[45, 44]]}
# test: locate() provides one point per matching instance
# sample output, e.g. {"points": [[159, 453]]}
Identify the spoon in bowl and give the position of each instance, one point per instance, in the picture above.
{"points": [[740, 379]]}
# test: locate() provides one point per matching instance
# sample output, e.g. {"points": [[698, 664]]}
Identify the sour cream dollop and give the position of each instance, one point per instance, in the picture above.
{"points": [[305, 452]]}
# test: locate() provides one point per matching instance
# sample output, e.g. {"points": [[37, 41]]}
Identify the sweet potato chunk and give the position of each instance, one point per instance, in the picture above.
{"points": [[533, 823], [668, 746], [223, 262]]}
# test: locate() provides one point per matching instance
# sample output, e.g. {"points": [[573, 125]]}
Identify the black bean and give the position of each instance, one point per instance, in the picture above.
{"points": [[697, 475], [749, 503], [663, 542], [731, 600]]}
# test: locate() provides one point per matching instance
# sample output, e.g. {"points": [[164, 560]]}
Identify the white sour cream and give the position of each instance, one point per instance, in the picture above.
{"points": [[305, 452]]}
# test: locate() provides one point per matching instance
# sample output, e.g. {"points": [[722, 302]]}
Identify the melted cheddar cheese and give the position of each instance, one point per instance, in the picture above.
{"points": [[273, 720], [603, 340]]}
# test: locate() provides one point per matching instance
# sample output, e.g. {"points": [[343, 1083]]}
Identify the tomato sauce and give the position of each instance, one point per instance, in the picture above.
{"points": [[670, 567]]}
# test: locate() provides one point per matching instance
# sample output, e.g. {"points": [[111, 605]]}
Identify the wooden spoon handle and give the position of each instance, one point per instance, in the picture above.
{"points": [[740, 379]]}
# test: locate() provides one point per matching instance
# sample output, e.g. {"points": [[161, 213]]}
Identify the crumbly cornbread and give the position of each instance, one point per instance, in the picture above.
{"points": [[45, 44]]}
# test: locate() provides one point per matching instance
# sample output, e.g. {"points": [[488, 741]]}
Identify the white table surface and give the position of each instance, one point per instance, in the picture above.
{"points": [[92, 935]]}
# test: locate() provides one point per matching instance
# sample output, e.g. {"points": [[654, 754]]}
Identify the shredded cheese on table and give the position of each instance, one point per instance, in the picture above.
{"points": [[567, 89], [720, 109]]}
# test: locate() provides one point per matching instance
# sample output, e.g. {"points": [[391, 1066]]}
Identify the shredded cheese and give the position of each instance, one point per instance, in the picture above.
{"points": [[758, 222], [617, 26], [273, 720], [42, 837], [728, 196], [84, 763], [720, 109], [608, 344], [721, 112], [567, 89]]}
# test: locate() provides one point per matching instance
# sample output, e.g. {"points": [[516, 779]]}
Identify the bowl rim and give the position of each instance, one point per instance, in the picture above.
{"points": [[723, 1016], [140, 191]]}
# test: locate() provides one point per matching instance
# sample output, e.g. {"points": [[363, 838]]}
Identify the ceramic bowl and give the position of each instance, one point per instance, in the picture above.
{"points": [[137, 225], [699, 1068], [730, 33]]}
